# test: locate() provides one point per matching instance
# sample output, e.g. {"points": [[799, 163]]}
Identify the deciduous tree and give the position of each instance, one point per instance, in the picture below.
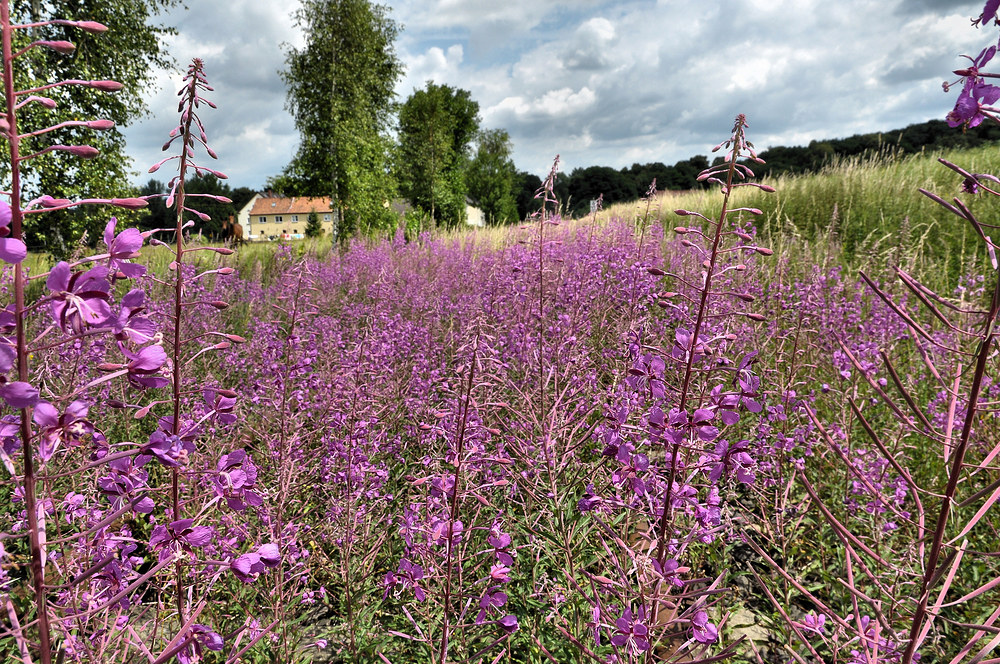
{"points": [[492, 177], [341, 92], [436, 126]]}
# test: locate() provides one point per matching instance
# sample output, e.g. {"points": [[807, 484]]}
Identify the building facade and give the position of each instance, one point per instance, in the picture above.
{"points": [[270, 217]]}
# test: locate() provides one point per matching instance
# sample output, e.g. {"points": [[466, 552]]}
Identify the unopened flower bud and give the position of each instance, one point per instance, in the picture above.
{"points": [[49, 202], [107, 86], [130, 203], [92, 27], [82, 151], [64, 47]]}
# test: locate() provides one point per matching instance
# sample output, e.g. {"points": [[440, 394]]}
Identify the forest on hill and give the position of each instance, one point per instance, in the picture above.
{"points": [[582, 185]]}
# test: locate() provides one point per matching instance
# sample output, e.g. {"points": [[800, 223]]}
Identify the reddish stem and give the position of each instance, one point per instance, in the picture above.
{"points": [[30, 499]]}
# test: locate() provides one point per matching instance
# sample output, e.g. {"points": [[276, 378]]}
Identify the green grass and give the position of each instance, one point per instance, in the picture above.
{"points": [[864, 212]]}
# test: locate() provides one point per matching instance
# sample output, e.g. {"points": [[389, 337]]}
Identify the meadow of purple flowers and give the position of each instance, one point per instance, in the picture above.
{"points": [[592, 440]]}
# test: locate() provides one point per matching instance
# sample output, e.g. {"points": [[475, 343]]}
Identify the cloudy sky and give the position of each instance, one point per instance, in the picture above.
{"points": [[599, 82]]}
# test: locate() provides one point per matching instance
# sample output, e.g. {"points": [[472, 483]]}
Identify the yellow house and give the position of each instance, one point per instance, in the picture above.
{"points": [[272, 217]]}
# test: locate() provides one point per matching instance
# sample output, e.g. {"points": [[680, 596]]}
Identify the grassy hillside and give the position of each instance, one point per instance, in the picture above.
{"points": [[864, 212]]}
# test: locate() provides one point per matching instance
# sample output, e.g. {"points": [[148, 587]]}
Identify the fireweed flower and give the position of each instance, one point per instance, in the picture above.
{"points": [[126, 482], [976, 93], [733, 459], [709, 514], [249, 566], [19, 394], [201, 638], [633, 466], [170, 450], [633, 635], [443, 530], [973, 184], [989, 13], [500, 573], [130, 324], [235, 481], [813, 622], [122, 248], [221, 405], [973, 105], [590, 499], [74, 506], [647, 374], [726, 405], [671, 571], [79, 299], [508, 624], [407, 576], [500, 542], [69, 428], [179, 535], [12, 250], [144, 365], [702, 630], [494, 598]]}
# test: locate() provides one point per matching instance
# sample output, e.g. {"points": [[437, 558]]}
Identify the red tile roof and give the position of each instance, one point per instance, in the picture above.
{"points": [[291, 205]]}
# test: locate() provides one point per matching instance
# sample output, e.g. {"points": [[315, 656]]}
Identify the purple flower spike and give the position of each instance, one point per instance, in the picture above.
{"points": [[179, 535], [493, 599], [131, 325], [57, 429], [172, 451]]}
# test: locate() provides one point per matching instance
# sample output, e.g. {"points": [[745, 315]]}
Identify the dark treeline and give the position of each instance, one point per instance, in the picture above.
{"points": [[583, 185], [156, 215]]}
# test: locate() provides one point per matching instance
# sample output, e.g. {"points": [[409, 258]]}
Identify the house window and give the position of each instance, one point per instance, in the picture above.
{"points": [[326, 217], [263, 220], [277, 219], [295, 217]]}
